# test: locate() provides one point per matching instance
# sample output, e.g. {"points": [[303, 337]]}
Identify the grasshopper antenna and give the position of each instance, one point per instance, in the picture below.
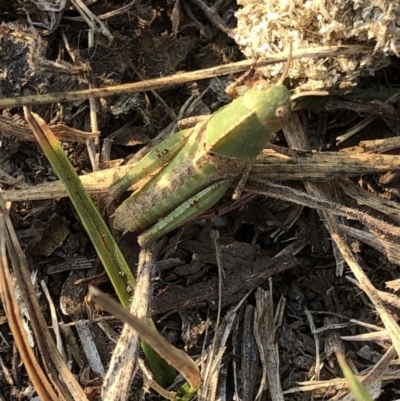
{"points": [[287, 66]]}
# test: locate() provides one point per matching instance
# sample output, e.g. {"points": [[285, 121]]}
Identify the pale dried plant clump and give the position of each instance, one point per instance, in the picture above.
{"points": [[267, 26]]}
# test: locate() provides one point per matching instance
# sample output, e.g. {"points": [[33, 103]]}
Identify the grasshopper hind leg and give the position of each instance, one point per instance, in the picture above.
{"points": [[189, 209]]}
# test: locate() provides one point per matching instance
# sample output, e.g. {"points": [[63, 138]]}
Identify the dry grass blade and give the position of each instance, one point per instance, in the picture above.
{"points": [[301, 198], [56, 368], [215, 353], [264, 330], [377, 145], [175, 357], [250, 366], [38, 378], [177, 79], [123, 365], [217, 348], [363, 197], [271, 165], [315, 166], [17, 127]]}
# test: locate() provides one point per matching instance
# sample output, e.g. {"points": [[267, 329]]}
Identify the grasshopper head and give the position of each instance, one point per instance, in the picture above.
{"points": [[271, 104], [282, 111], [243, 128]]}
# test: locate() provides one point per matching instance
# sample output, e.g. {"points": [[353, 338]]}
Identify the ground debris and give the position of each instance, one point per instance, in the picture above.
{"points": [[321, 205]]}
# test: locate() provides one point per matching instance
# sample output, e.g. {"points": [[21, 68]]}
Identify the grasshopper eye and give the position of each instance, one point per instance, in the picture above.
{"points": [[282, 113]]}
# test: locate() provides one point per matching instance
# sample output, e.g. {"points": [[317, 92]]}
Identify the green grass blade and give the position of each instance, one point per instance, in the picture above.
{"points": [[107, 249], [359, 392], [186, 392]]}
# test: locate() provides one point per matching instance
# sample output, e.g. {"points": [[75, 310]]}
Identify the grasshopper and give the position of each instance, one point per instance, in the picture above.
{"points": [[201, 163]]}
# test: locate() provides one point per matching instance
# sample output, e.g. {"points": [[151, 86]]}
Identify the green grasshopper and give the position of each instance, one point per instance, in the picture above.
{"points": [[200, 163]]}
